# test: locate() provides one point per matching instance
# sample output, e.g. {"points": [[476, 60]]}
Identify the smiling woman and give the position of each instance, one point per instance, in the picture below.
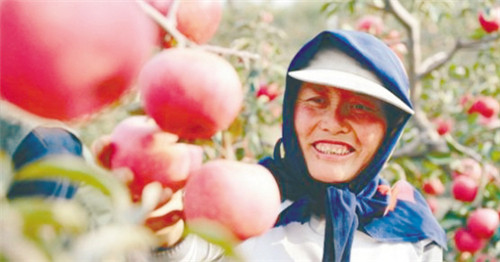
{"points": [[337, 130], [345, 106]]}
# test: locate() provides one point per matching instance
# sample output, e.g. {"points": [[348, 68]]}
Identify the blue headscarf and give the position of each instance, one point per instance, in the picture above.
{"points": [[358, 204]]}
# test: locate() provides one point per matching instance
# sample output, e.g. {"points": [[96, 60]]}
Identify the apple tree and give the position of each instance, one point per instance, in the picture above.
{"points": [[109, 77]]}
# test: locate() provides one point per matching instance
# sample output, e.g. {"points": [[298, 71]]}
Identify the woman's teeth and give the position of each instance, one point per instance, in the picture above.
{"points": [[332, 149]]}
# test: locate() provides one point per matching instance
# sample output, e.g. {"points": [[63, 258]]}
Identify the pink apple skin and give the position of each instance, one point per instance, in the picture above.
{"points": [[198, 20], [490, 22], [191, 93], [371, 24], [67, 59], [464, 189], [483, 222], [467, 242], [433, 186], [443, 126], [152, 155], [468, 167], [486, 106], [242, 197]]}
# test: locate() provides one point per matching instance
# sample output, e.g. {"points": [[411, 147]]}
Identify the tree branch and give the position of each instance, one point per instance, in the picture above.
{"points": [[439, 59], [168, 23]]}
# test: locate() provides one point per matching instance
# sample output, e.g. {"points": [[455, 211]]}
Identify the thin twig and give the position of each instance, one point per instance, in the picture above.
{"points": [[168, 25], [439, 59], [229, 51]]}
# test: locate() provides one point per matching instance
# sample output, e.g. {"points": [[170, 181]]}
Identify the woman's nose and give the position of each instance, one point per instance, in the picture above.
{"points": [[334, 121]]}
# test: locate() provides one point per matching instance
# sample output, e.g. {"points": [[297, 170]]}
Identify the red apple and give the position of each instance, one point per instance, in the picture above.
{"points": [[241, 197], [490, 20], [483, 222], [443, 126], [198, 20], [467, 242], [271, 91], [464, 189], [67, 59], [468, 167], [370, 24], [433, 186], [191, 93], [486, 106], [152, 155]]}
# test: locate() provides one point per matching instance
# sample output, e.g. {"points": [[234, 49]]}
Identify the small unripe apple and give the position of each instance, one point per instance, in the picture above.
{"points": [[198, 20], [152, 155], [433, 186], [490, 20], [467, 167], [483, 222], [243, 198], [486, 106], [464, 189], [370, 24], [190, 93], [67, 59], [467, 242]]}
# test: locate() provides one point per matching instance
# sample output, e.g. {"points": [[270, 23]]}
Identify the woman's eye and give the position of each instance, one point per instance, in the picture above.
{"points": [[317, 100], [361, 107]]}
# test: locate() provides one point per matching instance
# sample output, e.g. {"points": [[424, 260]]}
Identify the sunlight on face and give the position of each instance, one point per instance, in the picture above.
{"points": [[339, 131]]}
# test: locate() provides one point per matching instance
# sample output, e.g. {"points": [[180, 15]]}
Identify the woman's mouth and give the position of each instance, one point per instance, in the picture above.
{"points": [[336, 148]]}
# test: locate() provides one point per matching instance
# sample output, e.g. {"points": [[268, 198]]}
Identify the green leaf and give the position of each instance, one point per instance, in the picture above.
{"points": [[440, 158], [62, 216], [78, 171]]}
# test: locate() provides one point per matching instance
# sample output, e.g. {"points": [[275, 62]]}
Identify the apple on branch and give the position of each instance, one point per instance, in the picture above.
{"points": [[486, 106], [483, 222], [190, 92], [370, 24], [465, 241], [198, 20], [433, 186], [467, 167], [490, 19], [464, 189]]}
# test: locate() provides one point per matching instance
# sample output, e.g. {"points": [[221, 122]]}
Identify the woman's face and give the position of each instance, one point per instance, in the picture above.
{"points": [[339, 131]]}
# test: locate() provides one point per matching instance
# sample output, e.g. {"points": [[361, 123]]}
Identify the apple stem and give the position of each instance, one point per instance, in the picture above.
{"points": [[166, 22]]}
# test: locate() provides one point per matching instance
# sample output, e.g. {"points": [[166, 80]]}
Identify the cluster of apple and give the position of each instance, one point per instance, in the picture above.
{"points": [[374, 25], [66, 60], [481, 225], [486, 107]]}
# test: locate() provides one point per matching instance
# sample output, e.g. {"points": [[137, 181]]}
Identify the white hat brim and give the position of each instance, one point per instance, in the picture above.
{"points": [[351, 82]]}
